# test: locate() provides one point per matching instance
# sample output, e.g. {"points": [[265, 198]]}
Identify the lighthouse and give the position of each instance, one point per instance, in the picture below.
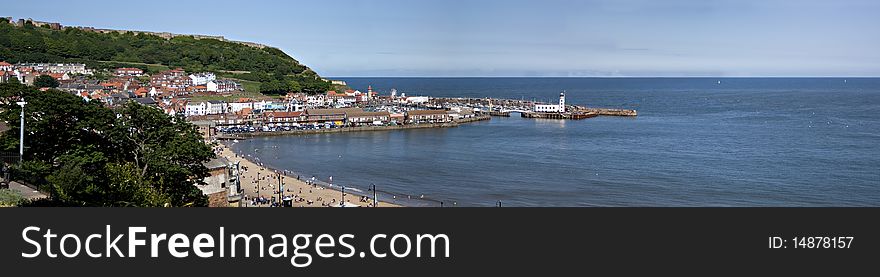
{"points": [[369, 92], [562, 102]]}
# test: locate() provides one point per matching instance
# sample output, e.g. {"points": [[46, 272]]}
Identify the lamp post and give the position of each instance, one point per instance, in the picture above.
{"points": [[375, 196], [258, 187], [21, 130], [281, 189]]}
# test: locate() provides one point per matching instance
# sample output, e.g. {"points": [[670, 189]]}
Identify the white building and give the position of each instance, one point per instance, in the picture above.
{"points": [[318, 100], [557, 108], [216, 107], [235, 107], [223, 86], [205, 108], [417, 99], [196, 108], [295, 106], [154, 92], [238, 106], [203, 78], [71, 68]]}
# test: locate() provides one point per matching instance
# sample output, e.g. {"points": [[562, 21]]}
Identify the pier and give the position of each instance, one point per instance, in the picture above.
{"points": [[526, 108]]}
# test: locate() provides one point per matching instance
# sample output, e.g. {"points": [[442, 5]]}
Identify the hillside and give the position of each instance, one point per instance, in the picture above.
{"points": [[276, 71]]}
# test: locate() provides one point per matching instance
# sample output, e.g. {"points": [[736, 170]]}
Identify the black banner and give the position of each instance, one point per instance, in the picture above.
{"points": [[466, 241]]}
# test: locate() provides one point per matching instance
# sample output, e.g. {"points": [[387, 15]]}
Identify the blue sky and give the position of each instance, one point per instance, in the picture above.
{"points": [[519, 38]]}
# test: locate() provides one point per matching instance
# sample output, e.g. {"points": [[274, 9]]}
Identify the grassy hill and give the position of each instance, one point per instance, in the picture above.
{"points": [[275, 71]]}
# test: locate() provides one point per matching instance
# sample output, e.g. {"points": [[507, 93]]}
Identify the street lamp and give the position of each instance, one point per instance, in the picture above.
{"points": [[21, 130], [281, 189], [258, 186], [375, 196]]}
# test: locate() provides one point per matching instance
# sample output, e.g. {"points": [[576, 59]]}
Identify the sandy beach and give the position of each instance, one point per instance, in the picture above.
{"points": [[302, 193]]}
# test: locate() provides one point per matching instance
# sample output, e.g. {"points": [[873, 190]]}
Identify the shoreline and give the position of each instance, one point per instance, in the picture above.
{"points": [[303, 194]]}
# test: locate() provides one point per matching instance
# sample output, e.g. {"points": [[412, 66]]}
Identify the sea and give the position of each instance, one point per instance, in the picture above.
{"points": [[705, 142]]}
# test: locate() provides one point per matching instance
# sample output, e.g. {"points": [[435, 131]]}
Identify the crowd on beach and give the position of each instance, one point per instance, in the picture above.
{"points": [[265, 187]]}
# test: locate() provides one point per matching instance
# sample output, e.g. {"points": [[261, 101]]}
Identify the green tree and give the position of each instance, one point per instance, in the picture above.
{"points": [[86, 154], [45, 81], [168, 151]]}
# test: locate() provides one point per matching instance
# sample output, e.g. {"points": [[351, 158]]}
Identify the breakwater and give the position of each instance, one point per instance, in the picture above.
{"points": [[609, 112], [503, 107]]}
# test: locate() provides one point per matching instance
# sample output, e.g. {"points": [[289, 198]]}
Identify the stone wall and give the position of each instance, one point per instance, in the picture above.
{"points": [[218, 199]]}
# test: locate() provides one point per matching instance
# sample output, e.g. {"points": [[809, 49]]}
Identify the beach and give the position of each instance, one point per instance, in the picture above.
{"points": [[300, 191]]}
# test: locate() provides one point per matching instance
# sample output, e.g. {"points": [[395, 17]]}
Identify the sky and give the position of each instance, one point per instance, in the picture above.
{"points": [[373, 38]]}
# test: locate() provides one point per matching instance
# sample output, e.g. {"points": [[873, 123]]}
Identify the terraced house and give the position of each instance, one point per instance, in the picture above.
{"points": [[363, 118], [427, 116]]}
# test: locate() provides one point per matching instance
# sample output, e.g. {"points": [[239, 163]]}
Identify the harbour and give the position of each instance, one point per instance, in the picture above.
{"points": [[753, 142], [529, 109]]}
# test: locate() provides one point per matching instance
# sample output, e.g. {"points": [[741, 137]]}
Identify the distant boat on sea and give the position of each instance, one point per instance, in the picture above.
{"points": [[719, 82]]}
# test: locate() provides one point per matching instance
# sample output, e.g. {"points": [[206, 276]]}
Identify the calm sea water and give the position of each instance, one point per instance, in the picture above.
{"points": [[743, 142]]}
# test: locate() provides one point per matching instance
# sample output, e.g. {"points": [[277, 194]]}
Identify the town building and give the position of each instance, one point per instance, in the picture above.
{"points": [[461, 113], [294, 105], [79, 86], [146, 102], [245, 103], [427, 116], [173, 79], [417, 99], [221, 186], [196, 108], [59, 76], [278, 119], [398, 118], [223, 86], [362, 118], [216, 107], [5, 66], [334, 116], [70, 68], [315, 101], [202, 78], [129, 72], [26, 78]]}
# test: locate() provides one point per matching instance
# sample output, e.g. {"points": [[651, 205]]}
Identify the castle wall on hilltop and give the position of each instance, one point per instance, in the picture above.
{"points": [[166, 35]]}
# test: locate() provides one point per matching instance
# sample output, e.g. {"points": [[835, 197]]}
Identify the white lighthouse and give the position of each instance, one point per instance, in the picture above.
{"points": [[549, 107], [562, 102]]}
